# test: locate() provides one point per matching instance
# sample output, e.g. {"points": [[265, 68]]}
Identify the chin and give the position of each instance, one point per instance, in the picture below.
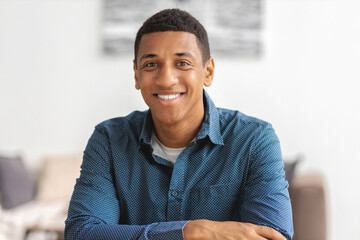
{"points": [[166, 119]]}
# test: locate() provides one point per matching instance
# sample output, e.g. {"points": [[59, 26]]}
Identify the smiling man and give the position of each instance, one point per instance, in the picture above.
{"points": [[170, 73], [184, 169]]}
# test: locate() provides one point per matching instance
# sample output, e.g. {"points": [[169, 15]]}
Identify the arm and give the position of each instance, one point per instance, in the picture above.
{"points": [[93, 229], [94, 211], [265, 208], [205, 229], [266, 198]]}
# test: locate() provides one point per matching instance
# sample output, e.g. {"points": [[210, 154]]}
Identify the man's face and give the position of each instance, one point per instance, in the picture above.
{"points": [[170, 74]]}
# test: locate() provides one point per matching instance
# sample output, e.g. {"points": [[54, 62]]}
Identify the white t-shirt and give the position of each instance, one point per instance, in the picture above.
{"points": [[169, 154]]}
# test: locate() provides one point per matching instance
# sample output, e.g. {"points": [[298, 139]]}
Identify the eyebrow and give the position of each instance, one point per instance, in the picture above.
{"points": [[186, 54], [150, 55]]}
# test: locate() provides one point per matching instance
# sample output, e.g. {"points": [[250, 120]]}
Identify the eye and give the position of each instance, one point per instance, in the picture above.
{"points": [[182, 63], [151, 64]]}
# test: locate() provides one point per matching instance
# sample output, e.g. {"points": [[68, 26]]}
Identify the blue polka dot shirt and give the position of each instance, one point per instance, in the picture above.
{"points": [[232, 171]]}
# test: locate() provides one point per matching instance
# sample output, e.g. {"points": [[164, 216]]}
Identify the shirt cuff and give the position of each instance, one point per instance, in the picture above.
{"points": [[167, 230]]}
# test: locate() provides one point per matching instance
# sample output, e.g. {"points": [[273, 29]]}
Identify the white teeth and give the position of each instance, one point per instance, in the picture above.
{"points": [[169, 97]]}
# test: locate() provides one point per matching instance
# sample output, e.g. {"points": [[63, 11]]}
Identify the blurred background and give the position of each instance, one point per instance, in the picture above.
{"points": [[57, 83]]}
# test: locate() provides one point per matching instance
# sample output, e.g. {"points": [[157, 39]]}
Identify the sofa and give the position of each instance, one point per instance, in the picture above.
{"points": [[308, 199], [42, 215], [39, 215]]}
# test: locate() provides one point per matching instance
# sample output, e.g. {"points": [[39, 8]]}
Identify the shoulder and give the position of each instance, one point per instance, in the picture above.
{"points": [[237, 119], [130, 123], [240, 129]]}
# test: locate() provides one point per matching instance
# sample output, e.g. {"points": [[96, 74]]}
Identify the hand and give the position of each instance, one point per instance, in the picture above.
{"points": [[212, 230]]}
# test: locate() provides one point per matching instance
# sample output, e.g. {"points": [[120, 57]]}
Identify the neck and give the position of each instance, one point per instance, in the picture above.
{"points": [[178, 135]]}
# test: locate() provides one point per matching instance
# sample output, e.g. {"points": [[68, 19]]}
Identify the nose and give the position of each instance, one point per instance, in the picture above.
{"points": [[167, 77]]}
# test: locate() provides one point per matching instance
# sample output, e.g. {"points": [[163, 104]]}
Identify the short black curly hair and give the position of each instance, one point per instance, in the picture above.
{"points": [[175, 20]]}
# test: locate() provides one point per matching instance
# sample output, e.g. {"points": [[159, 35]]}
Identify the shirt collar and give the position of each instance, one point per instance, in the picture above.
{"points": [[211, 123], [147, 129], [210, 126]]}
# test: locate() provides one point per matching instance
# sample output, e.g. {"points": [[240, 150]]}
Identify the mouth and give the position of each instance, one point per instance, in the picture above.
{"points": [[168, 96]]}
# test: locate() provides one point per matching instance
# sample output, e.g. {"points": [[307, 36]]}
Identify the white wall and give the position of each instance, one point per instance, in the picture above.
{"points": [[55, 85]]}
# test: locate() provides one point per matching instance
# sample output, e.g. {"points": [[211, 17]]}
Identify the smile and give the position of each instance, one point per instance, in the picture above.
{"points": [[169, 97]]}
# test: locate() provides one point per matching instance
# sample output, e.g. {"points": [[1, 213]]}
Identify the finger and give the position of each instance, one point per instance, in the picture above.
{"points": [[259, 238], [269, 232]]}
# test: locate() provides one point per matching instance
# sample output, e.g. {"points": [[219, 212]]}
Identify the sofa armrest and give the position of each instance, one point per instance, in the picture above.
{"points": [[307, 193]]}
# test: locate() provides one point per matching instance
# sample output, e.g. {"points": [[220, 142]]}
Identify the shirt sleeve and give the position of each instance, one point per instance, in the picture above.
{"points": [[94, 211], [266, 197]]}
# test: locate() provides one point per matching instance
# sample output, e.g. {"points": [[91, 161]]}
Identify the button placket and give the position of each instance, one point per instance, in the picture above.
{"points": [[176, 193], [174, 205]]}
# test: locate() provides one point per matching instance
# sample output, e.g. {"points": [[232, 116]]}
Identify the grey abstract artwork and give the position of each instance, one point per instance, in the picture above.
{"points": [[234, 26]]}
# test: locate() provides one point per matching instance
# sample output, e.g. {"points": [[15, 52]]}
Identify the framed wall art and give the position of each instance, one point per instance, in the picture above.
{"points": [[234, 26]]}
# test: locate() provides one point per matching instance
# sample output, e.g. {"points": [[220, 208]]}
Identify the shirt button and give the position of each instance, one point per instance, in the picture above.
{"points": [[174, 193]]}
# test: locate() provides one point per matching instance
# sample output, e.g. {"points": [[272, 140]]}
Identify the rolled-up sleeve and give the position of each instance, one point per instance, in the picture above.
{"points": [[94, 210], [266, 197]]}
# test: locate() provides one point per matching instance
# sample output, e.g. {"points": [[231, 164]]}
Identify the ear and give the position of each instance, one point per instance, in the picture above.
{"points": [[209, 72], [137, 85]]}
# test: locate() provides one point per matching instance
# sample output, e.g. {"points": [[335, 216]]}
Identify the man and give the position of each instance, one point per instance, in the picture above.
{"points": [[183, 169]]}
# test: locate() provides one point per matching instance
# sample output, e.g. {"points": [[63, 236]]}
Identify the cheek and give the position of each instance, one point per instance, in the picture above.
{"points": [[147, 97], [144, 81], [194, 78]]}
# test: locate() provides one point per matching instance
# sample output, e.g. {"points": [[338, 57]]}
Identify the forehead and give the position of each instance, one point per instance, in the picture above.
{"points": [[169, 42]]}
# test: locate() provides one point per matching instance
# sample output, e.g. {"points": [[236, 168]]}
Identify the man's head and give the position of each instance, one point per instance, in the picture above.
{"points": [[175, 20], [170, 71]]}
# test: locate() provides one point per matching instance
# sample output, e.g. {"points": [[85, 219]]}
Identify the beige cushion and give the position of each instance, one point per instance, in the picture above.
{"points": [[58, 177]]}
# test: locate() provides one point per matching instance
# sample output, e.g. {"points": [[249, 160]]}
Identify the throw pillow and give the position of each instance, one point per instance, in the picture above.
{"points": [[289, 167], [58, 177], [16, 185]]}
